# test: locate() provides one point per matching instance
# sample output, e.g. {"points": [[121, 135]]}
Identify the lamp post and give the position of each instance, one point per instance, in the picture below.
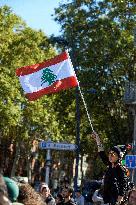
{"points": [[130, 100], [48, 164], [77, 125], [65, 43]]}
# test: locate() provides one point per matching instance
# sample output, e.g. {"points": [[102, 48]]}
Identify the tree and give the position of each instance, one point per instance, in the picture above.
{"points": [[100, 36], [20, 119]]}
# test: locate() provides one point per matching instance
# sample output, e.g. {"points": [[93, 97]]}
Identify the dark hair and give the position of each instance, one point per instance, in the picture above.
{"points": [[60, 196], [70, 189], [78, 190], [117, 150]]}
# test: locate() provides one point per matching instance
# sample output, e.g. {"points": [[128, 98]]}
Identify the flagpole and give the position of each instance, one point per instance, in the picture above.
{"points": [[85, 105], [77, 139]]}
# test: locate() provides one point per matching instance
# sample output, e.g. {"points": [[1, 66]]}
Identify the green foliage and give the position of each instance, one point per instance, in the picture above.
{"points": [[101, 45], [21, 46]]}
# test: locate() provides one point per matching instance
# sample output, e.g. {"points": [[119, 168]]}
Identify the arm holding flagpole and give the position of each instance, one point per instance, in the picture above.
{"points": [[98, 142], [100, 146]]}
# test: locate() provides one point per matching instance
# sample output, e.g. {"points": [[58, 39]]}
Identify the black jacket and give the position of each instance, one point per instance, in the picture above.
{"points": [[115, 181], [70, 202], [50, 200]]}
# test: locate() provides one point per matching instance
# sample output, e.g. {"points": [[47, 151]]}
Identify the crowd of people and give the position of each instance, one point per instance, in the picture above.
{"points": [[114, 189], [13, 193]]}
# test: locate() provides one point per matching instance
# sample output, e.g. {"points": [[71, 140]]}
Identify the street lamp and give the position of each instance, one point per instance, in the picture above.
{"points": [[130, 100]]}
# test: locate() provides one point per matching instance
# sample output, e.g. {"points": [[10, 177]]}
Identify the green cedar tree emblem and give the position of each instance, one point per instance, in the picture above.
{"points": [[48, 76]]}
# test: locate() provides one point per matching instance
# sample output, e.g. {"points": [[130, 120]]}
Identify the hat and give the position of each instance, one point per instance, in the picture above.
{"points": [[12, 187], [117, 150], [43, 185]]}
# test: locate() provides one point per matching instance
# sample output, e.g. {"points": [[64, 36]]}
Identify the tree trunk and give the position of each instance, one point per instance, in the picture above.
{"points": [[16, 159]]}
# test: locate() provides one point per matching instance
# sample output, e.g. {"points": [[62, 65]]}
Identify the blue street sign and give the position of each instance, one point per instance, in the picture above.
{"points": [[130, 161], [57, 146]]}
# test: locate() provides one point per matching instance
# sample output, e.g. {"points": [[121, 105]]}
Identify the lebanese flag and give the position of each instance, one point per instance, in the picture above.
{"points": [[48, 77]]}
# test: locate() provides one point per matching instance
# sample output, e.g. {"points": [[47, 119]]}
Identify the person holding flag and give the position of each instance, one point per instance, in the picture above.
{"points": [[115, 179]]}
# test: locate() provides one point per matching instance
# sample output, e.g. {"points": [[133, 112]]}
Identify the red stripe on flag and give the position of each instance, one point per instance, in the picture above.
{"points": [[36, 67], [54, 88]]}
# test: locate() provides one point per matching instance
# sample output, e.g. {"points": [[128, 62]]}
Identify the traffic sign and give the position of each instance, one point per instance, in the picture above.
{"points": [[57, 146], [130, 161]]}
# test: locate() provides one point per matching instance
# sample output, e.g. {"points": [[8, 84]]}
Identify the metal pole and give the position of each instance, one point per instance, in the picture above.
{"points": [[48, 163], [77, 122], [77, 138], [134, 143]]}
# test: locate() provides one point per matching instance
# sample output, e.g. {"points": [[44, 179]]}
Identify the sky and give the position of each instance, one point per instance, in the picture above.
{"points": [[36, 13]]}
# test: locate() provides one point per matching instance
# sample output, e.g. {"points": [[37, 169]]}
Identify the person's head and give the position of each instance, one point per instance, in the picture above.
{"points": [[67, 192], [78, 192], [27, 195], [59, 198], [132, 197], [45, 191], [115, 154]]}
